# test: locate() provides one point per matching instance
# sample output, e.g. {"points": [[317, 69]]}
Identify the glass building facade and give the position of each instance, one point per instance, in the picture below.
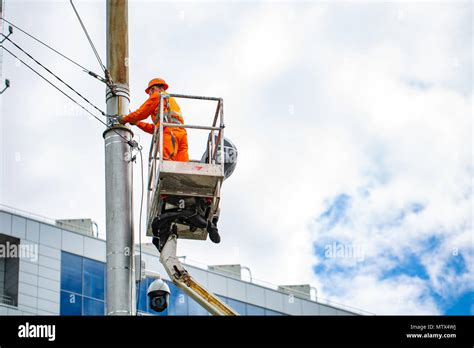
{"points": [[65, 274], [182, 304], [83, 282], [82, 286]]}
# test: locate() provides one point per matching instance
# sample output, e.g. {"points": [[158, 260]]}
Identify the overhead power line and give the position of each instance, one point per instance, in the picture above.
{"points": [[102, 66], [56, 51], [56, 76], [68, 96]]}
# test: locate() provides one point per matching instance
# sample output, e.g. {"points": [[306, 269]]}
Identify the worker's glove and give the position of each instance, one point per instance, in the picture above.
{"points": [[121, 120]]}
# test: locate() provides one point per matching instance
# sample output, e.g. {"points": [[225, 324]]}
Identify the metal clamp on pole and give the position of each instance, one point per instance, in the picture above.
{"points": [[7, 84], [115, 104], [10, 31]]}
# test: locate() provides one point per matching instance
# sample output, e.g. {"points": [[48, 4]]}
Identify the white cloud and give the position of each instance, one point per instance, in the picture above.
{"points": [[401, 295]]}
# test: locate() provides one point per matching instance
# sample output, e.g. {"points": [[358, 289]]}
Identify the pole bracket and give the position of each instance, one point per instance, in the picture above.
{"points": [[10, 31], [7, 84]]}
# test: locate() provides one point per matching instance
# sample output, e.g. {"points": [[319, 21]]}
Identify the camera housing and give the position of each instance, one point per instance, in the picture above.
{"points": [[159, 295]]}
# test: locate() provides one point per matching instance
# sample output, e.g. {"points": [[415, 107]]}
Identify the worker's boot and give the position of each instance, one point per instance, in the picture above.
{"points": [[197, 221], [213, 232], [163, 238], [161, 228], [160, 237]]}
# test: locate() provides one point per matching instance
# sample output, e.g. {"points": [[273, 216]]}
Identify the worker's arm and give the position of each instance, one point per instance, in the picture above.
{"points": [[147, 127], [145, 110]]}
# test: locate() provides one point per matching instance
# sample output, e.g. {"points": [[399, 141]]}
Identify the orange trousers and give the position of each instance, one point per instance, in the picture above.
{"points": [[175, 145]]}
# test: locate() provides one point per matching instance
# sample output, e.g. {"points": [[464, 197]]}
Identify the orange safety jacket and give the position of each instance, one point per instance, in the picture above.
{"points": [[172, 114]]}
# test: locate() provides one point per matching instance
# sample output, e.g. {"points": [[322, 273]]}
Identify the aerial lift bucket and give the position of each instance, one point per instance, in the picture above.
{"points": [[184, 197], [190, 190]]}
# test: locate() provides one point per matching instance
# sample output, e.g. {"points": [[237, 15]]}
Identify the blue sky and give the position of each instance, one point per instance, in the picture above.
{"points": [[353, 122], [405, 264]]}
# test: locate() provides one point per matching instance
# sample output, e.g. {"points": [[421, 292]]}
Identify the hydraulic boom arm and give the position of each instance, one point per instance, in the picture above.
{"points": [[180, 276]]}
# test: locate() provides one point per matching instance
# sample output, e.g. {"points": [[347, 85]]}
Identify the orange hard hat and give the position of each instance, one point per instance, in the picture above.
{"points": [[157, 81]]}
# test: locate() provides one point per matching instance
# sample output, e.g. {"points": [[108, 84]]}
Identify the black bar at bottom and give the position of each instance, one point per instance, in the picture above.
{"points": [[346, 330]]}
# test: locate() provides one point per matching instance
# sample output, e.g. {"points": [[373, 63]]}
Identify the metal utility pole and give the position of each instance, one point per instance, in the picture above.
{"points": [[120, 288]]}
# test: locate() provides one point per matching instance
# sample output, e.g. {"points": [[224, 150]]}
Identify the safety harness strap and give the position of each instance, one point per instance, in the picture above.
{"points": [[170, 116], [173, 142]]}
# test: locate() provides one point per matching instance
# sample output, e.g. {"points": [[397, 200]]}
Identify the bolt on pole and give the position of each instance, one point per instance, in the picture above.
{"points": [[120, 288]]}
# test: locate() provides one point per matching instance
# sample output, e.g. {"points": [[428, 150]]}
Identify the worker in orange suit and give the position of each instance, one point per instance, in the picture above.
{"points": [[175, 139]]}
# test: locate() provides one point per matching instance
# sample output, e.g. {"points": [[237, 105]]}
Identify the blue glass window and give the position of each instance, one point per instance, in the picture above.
{"points": [[93, 307], [222, 298], [71, 304], [94, 279], [270, 312], [254, 310], [195, 308], [237, 306], [71, 272], [178, 301], [141, 295]]}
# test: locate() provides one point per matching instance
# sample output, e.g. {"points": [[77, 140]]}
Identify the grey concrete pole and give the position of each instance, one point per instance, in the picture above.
{"points": [[120, 288]]}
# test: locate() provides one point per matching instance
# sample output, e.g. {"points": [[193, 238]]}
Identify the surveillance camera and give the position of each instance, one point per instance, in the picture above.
{"points": [[159, 295]]}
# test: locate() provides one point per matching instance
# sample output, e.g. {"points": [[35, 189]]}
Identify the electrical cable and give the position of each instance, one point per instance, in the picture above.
{"points": [[131, 241], [93, 74], [132, 143], [108, 81], [48, 46], [68, 96], [90, 41], [56, 76], [140, 227]]}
